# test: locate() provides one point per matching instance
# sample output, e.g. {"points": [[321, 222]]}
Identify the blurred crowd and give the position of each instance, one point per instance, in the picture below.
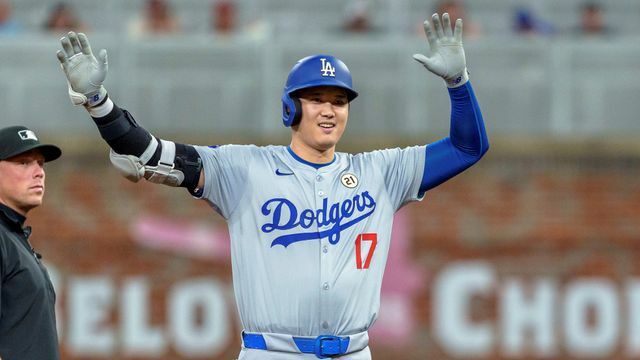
{"points": [[156, 17], [591, 22], [159, 18]]}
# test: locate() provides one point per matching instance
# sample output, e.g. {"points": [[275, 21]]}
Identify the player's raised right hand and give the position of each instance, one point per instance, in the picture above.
{"points": [[85, 73]]}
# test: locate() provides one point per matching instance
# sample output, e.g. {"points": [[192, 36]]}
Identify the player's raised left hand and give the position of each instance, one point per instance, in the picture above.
{"points": [[85, 73], [447, 58]]}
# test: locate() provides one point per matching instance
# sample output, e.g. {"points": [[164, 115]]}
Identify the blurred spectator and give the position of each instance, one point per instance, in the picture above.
{"points": [[527, 23], [258, 28], [592, 21], [8, 25], [157, 18], [62, 18], [457, 10], [358, 17], [224, 21], [223, 17]]}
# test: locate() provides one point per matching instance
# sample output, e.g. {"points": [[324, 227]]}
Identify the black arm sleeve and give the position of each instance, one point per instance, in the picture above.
{"points": [[123, 134]]}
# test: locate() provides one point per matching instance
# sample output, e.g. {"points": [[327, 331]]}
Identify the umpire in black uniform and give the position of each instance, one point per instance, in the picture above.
{"points": [[27, 297]]}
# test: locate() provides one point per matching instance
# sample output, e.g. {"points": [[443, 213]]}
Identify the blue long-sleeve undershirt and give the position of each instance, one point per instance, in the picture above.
{"points": [[466, 144]]}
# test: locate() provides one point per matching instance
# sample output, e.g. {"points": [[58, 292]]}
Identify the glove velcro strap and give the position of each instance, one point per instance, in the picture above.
{"points": [[458, 80], [97, 98]]}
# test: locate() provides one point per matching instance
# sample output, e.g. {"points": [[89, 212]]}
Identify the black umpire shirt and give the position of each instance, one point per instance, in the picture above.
{"points": [[27, 299]]}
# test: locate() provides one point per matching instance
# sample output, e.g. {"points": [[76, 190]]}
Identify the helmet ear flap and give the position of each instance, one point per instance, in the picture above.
{"points": [[291, 110]]}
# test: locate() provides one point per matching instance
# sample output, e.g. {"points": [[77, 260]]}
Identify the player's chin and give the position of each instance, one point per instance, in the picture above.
{"points": [[329, 140]]}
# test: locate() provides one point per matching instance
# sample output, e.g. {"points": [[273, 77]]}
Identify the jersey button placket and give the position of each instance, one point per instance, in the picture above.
{"points": [[325, 259], [319, 187]]}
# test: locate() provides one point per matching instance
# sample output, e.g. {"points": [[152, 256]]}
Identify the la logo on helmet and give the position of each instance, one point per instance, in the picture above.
{"points": [[327, 68]]}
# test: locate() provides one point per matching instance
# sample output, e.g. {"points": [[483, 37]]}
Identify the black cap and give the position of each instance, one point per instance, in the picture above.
{"points": [[15, 140]]}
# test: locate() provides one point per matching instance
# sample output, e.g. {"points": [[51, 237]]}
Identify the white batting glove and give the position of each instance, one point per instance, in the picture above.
{"points": [[447, 58], [85, 74]]}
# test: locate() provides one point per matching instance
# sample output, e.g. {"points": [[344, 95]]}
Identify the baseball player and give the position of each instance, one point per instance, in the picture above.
{"points": [[310, 227]]}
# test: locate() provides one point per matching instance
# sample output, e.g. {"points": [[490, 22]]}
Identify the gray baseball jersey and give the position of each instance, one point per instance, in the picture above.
{"points": [[309, 245]]}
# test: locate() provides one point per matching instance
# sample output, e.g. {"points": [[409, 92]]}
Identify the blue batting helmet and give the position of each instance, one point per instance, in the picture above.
{"points": [[315, 70]]}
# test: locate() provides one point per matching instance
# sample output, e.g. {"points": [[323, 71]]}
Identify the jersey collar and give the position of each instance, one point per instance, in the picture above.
{"points": [[313, 165], [11, 217]]}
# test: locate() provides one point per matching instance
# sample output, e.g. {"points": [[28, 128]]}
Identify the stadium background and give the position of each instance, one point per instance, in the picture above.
{"points": [[532, 254]]}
